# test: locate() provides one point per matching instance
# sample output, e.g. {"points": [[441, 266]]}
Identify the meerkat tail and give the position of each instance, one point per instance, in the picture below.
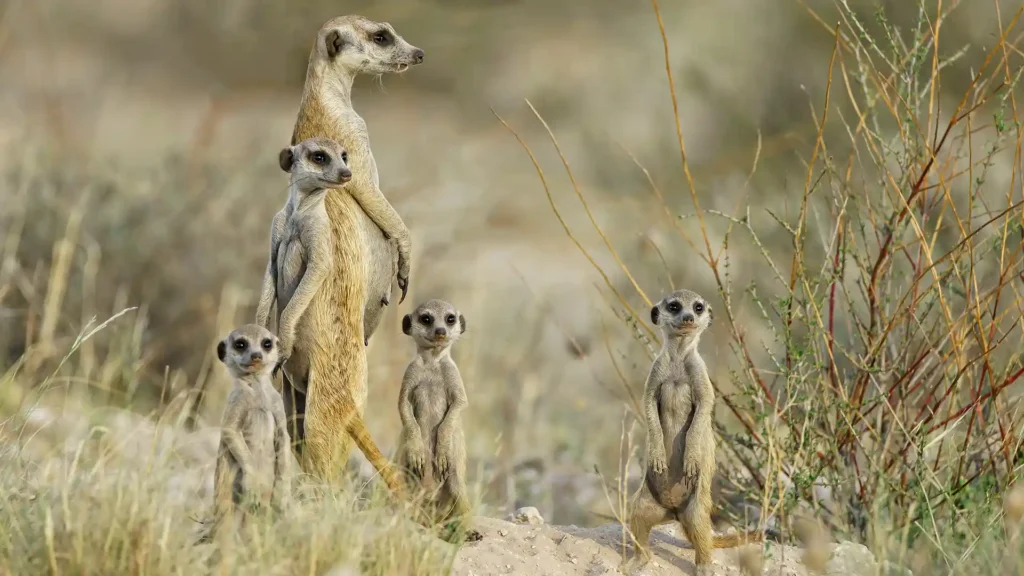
{"points": [[357, 430], [736, 539]]}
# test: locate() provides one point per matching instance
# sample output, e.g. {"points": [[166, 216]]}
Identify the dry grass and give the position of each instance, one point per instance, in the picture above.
{"points": [[871, 306]]}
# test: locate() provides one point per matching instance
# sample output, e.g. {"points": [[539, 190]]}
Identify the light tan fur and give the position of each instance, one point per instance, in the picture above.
{"points": [[432, 449], [678, 405], [300, 262], [346, 311], [253, 466]]}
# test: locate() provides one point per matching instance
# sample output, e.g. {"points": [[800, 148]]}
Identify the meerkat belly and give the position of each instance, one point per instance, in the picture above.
{"points": [[381, 268], [430, 405], [291, 265], [675, 408], [260, 439]]}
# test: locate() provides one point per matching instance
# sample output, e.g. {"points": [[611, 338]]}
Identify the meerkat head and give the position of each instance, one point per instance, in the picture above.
{"points": [[434, 324], [315, 164], [358, 45], [249, 350], [682, 313]]}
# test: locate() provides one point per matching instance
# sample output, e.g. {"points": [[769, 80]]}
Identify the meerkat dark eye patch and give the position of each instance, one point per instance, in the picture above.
{"points": [[674, 307], [285, 159], [241, 344], [267, 343], [344, 157], [698, 308], [319, 157], [383, 38], [426, 319], [450, 319]]}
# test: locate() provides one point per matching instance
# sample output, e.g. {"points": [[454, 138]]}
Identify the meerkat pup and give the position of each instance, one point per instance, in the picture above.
{"points": [[301, 258], [678, 405], [433, 447], [253, 467]]}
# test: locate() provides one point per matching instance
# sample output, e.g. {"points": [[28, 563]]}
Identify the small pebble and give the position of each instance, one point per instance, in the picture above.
{"points": [[503, 532]]}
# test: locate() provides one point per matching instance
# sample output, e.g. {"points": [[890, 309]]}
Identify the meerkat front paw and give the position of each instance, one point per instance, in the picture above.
{"points": [[657, 462], [691, 463], [403, 284], [441, 465], [416, 456]]}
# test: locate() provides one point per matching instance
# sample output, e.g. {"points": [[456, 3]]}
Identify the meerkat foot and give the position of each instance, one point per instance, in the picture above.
{"points": [[385, 300]]}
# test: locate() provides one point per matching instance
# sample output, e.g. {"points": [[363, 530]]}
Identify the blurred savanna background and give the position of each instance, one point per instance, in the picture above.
{"points": [[848, 199]]}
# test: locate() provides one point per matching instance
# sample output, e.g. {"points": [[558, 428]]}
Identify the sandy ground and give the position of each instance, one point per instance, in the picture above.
{"points": [[509, 548]]}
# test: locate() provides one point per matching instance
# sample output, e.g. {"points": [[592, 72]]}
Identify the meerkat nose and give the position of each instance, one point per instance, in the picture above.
{"points": [[439, 332], [417, 56], [257, 356], [344, 175], [687, 317]]}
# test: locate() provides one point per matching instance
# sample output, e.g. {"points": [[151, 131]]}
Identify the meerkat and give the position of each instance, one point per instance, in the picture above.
{"points": [[678, 402], [366, 232], [300, 261], [253, 466], [432, 448]]}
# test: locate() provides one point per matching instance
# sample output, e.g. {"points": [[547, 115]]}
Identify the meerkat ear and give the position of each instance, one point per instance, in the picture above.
{"points": [[654, 315], [334, 43], [462, 324], [222, 349], [285, 159], [711, 314], [406, 324]]}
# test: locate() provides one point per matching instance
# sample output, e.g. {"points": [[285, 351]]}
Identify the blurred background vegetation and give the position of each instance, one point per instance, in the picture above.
{"points": [[139, 171]]}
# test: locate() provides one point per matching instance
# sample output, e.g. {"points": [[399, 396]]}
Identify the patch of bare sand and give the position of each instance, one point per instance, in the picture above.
{"points": [[543, 550]]}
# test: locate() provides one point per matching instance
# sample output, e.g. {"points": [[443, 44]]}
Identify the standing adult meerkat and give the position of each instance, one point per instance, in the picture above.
{"points": [[300, 261], [253, 466], [348, 308], [432, 448], [678, 405]]}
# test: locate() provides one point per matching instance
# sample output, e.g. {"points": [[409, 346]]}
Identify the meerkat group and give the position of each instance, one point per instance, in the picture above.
{"points": [[336, 249]]}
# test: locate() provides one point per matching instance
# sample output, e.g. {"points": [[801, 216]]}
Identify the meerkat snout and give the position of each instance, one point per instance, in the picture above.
{"points": [[417, 56], [440, 332]]}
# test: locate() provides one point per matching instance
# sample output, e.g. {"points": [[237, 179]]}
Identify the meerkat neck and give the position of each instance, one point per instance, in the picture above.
{"points": [[681, 346], [431, 355], [304, 201], [331, 88], [248, 380]]}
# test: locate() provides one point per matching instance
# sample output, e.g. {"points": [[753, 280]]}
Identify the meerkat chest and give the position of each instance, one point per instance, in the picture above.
{"points": [[430, 399], [259, 434]]}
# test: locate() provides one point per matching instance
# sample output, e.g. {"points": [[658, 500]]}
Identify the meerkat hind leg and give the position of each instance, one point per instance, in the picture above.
{"points": [[696, 524], [644, 515], [294, 412]]}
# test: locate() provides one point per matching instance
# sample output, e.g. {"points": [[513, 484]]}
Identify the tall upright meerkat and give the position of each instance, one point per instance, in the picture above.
{"points": [[346, 311], [433, 447], [300, 261], [253, 467], [678, 405]]}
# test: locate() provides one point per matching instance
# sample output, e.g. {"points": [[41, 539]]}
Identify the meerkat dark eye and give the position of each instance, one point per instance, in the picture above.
{"points": [[319, 157], [241, 344], [698, 308], [344, 157], [674, 307], [450, 319], [267, 344], [382, 38], [426, 320]]}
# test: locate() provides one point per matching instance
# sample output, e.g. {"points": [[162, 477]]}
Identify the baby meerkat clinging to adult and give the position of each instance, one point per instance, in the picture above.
{"points": [[253, 466], [301, 259], [678, 407], [433, 447]]}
